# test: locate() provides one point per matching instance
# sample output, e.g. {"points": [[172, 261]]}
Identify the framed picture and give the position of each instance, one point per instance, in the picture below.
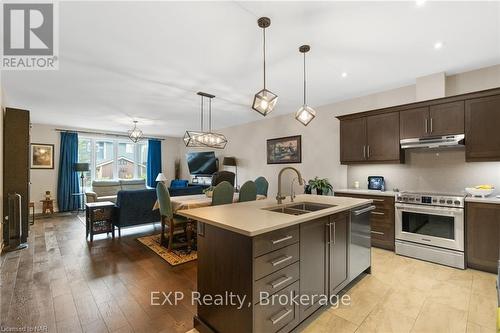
{"points": [[284, 150], [42, 156]]}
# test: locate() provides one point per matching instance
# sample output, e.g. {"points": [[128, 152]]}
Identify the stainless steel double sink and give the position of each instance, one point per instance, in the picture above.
{"points": [[299, 208]]}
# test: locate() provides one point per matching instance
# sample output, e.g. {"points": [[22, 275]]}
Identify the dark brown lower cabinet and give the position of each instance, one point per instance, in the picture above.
{"points": [[382, 219], [483, 236], [309, 259]]}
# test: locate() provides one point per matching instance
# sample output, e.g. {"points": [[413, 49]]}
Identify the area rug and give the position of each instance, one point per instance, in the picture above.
{"points": [[174, 258]]}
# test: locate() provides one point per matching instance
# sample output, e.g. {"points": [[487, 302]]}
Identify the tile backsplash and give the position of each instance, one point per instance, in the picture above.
{"points": [[430, 170]]}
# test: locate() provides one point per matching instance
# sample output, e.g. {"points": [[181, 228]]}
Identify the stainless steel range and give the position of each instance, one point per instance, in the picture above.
{"points": [[430, 226]]}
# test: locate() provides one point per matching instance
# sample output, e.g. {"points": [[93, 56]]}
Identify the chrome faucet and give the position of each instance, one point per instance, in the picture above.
{"points": [[292, 192], [279, 196]]}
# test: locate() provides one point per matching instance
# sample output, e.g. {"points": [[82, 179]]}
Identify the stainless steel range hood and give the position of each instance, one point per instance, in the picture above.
{"points": [[447, 141]]}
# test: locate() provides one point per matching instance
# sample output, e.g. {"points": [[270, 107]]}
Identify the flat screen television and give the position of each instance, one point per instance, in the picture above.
{"points": [[202, 163]]}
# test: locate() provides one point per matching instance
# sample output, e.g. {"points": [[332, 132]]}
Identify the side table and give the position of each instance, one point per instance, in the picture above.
{"points": [[99, 218], [47, 206]]}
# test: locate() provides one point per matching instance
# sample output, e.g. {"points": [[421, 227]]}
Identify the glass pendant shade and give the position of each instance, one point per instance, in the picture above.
{"points": [[264, 102], [135, 134], [305, 114]]}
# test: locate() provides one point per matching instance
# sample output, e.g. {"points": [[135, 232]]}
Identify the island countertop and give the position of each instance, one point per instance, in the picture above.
{"points": [[252, 219]]}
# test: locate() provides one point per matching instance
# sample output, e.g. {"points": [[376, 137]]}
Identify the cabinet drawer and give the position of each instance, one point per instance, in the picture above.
{"points": [[276, 281], [273, 317], [276, 260], [274, 240]]}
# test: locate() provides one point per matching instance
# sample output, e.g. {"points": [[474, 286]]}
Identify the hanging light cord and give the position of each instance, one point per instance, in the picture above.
{"points": [[304, 78], [264, 53]]}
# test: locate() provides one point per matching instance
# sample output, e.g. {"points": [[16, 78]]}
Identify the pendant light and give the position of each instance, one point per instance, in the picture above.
{"points": [[201, 138], [305, 114], [264, 101], [135, 134]]}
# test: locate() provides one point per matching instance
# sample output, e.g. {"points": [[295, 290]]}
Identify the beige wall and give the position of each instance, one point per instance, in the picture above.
{"points": [[46, 180], [320, 144]]}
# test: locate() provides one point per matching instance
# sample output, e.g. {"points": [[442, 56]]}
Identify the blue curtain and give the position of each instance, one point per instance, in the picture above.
{"points": [[154, 161], [67, 184]]}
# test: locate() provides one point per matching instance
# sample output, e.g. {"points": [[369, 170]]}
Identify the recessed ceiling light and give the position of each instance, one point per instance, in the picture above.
{"points": [[344, 74], [438, 45], [420, 3]]}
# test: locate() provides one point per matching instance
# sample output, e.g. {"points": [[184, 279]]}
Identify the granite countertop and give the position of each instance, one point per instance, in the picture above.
{"points": [[489, 199], [367, 192], [250, 219]]}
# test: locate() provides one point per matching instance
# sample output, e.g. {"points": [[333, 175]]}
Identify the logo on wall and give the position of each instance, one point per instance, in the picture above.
{"points": [[30, 36]]}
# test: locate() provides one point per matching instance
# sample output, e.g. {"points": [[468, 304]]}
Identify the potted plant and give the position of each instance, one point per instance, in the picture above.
{"points": [[321, 185]]}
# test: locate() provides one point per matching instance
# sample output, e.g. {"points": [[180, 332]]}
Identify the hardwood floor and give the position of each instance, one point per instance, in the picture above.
{"points": [[66, 285]]}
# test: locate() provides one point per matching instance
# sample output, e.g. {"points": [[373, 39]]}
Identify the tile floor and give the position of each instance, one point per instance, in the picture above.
{"points": [[407, 295]]}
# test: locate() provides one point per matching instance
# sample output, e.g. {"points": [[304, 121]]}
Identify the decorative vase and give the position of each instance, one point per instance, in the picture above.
{"points": [[319, 191]]}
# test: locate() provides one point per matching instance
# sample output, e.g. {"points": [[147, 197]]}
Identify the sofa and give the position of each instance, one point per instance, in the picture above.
{"points": [[107, 190], [134, 207], [180, 187]]}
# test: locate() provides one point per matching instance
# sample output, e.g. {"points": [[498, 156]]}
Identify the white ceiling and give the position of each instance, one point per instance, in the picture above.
{"points": [[121, 61]]}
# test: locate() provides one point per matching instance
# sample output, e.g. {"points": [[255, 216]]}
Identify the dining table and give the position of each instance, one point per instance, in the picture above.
{"points": [[195, 201]]}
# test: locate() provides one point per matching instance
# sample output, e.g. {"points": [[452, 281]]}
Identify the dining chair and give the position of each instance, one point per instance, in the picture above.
{"points": [[223, 194], [248, 192], [220, 176], [262, 185], [174, 225]]}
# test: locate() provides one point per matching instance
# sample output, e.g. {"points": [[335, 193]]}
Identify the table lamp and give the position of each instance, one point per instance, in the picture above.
{"points": [[161, 178]]}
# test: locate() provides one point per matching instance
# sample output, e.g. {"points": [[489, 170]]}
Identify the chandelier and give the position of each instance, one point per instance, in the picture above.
{"points": [[135, 134], [209, 139], [305, 114]]}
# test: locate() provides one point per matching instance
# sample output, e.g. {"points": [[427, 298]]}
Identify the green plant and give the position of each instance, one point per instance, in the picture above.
{"points": [[321, 185], [208, 189]]}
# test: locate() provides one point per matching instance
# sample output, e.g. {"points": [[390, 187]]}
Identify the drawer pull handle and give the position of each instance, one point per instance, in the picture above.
{"points": [[377, 232], [277, 241], [378, 213], [281, 281], [378, 200], [280, 261], [279, 317]]}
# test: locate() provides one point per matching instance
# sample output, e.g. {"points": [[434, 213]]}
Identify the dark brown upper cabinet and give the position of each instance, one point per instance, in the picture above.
{"points": [[447, 118], [353, 140], [382, 137], [370, 139], [482, 122], [414, 123], [434, 120]]}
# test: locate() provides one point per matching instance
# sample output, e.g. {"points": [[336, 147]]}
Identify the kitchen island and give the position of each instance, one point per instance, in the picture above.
{"points": [[275, 265]]}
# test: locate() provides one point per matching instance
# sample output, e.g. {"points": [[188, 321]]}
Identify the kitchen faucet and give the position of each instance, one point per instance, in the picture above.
{"points": [[292, 192], [279, 196]]}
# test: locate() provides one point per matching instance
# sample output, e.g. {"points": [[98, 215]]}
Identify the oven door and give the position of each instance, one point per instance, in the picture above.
{"points": [[435, 226]]}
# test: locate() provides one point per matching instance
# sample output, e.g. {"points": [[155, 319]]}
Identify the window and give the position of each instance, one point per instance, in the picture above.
{"points": [[112, 158]]}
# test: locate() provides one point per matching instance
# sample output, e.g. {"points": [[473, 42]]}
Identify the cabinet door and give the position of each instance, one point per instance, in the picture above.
{"points": [[446, 119], [313, 262], [482, 121], [414, 123], [353, 140], [382, 132], [483, 236], [337, 237]]}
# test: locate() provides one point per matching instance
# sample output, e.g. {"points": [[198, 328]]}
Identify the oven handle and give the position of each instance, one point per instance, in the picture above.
{"points": [[436, 210]]}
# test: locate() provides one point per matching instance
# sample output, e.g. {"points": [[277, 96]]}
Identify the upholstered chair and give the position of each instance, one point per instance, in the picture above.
{"points": [[248, 192], [262, 185], [223, 194]]}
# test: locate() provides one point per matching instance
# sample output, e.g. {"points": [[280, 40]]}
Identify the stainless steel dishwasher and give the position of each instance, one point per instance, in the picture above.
{"points": [[360, 241]]}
